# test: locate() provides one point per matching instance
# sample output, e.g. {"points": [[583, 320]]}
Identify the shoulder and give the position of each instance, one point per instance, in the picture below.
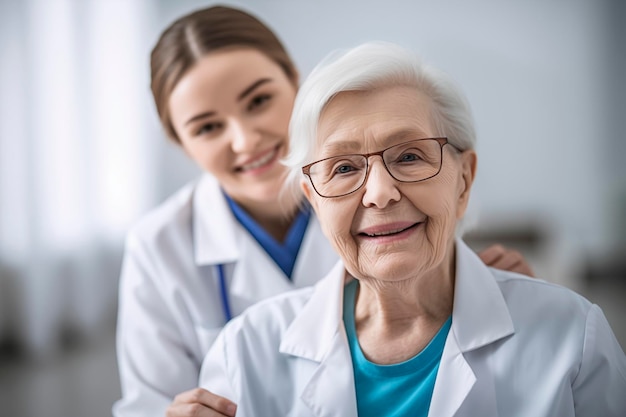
{"points": [[513, 284], [253, 337], [264, 323], [172, 214], [542, 302], [160, 241], [173, 219]]}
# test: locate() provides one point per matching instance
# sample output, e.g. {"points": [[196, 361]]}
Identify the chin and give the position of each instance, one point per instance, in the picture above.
{"points": [[391, 270], [265, 195]]}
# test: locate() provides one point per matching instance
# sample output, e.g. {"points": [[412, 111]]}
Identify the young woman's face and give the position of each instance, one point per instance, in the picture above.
{"points": [[231, 112]]}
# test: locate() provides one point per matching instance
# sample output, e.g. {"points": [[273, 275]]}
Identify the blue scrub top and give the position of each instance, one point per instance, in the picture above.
{"points": [[285, 253]]}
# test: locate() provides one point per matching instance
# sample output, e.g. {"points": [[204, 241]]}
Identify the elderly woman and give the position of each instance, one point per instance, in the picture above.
{"points": [[410, 322]]}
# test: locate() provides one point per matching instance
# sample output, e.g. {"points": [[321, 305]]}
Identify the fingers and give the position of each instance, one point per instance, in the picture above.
{"points": [[191, 410], [497, 256], [199, 402], [492, 254]]}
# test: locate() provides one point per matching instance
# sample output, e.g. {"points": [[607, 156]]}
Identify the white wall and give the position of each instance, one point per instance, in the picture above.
{"points": [[75, 163]]}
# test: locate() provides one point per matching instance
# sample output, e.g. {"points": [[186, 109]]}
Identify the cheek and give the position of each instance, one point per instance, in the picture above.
{"points": [[336, 219], [441, 226], [440, 203], [287, 108], [278, 119], [209, 156]]}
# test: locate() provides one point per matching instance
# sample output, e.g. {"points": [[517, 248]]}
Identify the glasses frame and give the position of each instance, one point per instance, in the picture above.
{"points": [[306, 170]]}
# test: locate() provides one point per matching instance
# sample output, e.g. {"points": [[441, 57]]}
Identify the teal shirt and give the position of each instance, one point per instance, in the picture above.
{"points": [[402, 389]]}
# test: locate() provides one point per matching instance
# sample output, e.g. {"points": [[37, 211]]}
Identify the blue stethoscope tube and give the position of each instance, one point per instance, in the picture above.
{"points": [[223, 293]]}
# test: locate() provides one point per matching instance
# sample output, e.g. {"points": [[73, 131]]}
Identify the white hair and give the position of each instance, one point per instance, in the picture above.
{"points": [[368, 67]]}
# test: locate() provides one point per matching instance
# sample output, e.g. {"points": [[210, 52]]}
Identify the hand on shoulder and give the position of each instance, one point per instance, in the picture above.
{"points": [[497, 256]]}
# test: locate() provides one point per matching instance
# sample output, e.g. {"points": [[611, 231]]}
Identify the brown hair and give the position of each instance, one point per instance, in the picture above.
{"points": [[191, 37]]}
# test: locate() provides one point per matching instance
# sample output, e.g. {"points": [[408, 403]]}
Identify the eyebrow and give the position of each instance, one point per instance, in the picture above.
{"points": [[200, 116], [340, 147], [335, 145], [252, 87], [240, 97]]}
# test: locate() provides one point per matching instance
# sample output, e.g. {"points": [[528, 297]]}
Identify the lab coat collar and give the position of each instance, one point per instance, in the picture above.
{"points": [[252, 275], [479, 317], [211, 214], [317, 334], [311, 333], [219, 239]]}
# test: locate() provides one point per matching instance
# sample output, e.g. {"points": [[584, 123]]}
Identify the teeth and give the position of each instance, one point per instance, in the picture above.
{"points": [[260, 162], [389, 232]]}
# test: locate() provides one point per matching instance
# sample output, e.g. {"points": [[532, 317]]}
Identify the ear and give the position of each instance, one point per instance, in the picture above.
{"points": [[308, 192], [296, 78], [468, 173]]}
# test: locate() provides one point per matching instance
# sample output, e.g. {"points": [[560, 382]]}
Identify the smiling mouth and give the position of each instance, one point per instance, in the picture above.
{"points": [[391, 232], [260, 162]]}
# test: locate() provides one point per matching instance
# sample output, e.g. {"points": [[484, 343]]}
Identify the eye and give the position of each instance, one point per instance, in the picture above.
{"points": [[344, 169], [408, 157], [209, 129], [338, 168], [259, 101]]}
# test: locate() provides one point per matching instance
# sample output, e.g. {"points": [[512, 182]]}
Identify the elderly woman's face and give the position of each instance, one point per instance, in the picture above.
{"points": [[389, 230]]}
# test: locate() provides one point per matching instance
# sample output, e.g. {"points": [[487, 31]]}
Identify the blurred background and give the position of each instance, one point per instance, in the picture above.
{"points": [[82, 155]]}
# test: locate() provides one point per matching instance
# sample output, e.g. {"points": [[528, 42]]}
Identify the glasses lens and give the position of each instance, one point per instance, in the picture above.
{"points": [[413, 161], [339, 175]]}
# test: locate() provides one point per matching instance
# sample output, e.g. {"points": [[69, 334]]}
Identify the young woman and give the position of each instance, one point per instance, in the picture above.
{"points": [[224, 88]]}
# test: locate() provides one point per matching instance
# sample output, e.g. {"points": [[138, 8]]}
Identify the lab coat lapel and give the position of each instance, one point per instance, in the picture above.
{"points": [[317, 255], [330, 392], [480, 317], [317, 335], [220, 240], [256, 277], [214, 226], [454, 381]]}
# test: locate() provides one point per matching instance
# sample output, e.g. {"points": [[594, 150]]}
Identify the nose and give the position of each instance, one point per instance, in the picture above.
{"points": [[244, 137], [380, 187]]}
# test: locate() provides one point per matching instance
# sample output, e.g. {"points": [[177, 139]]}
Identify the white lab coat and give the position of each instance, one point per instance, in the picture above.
{"points": [[170, 309], [517, 347]]}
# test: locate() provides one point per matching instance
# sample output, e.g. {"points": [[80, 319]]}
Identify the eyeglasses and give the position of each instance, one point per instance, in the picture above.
{"points": [[412, 161]]}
